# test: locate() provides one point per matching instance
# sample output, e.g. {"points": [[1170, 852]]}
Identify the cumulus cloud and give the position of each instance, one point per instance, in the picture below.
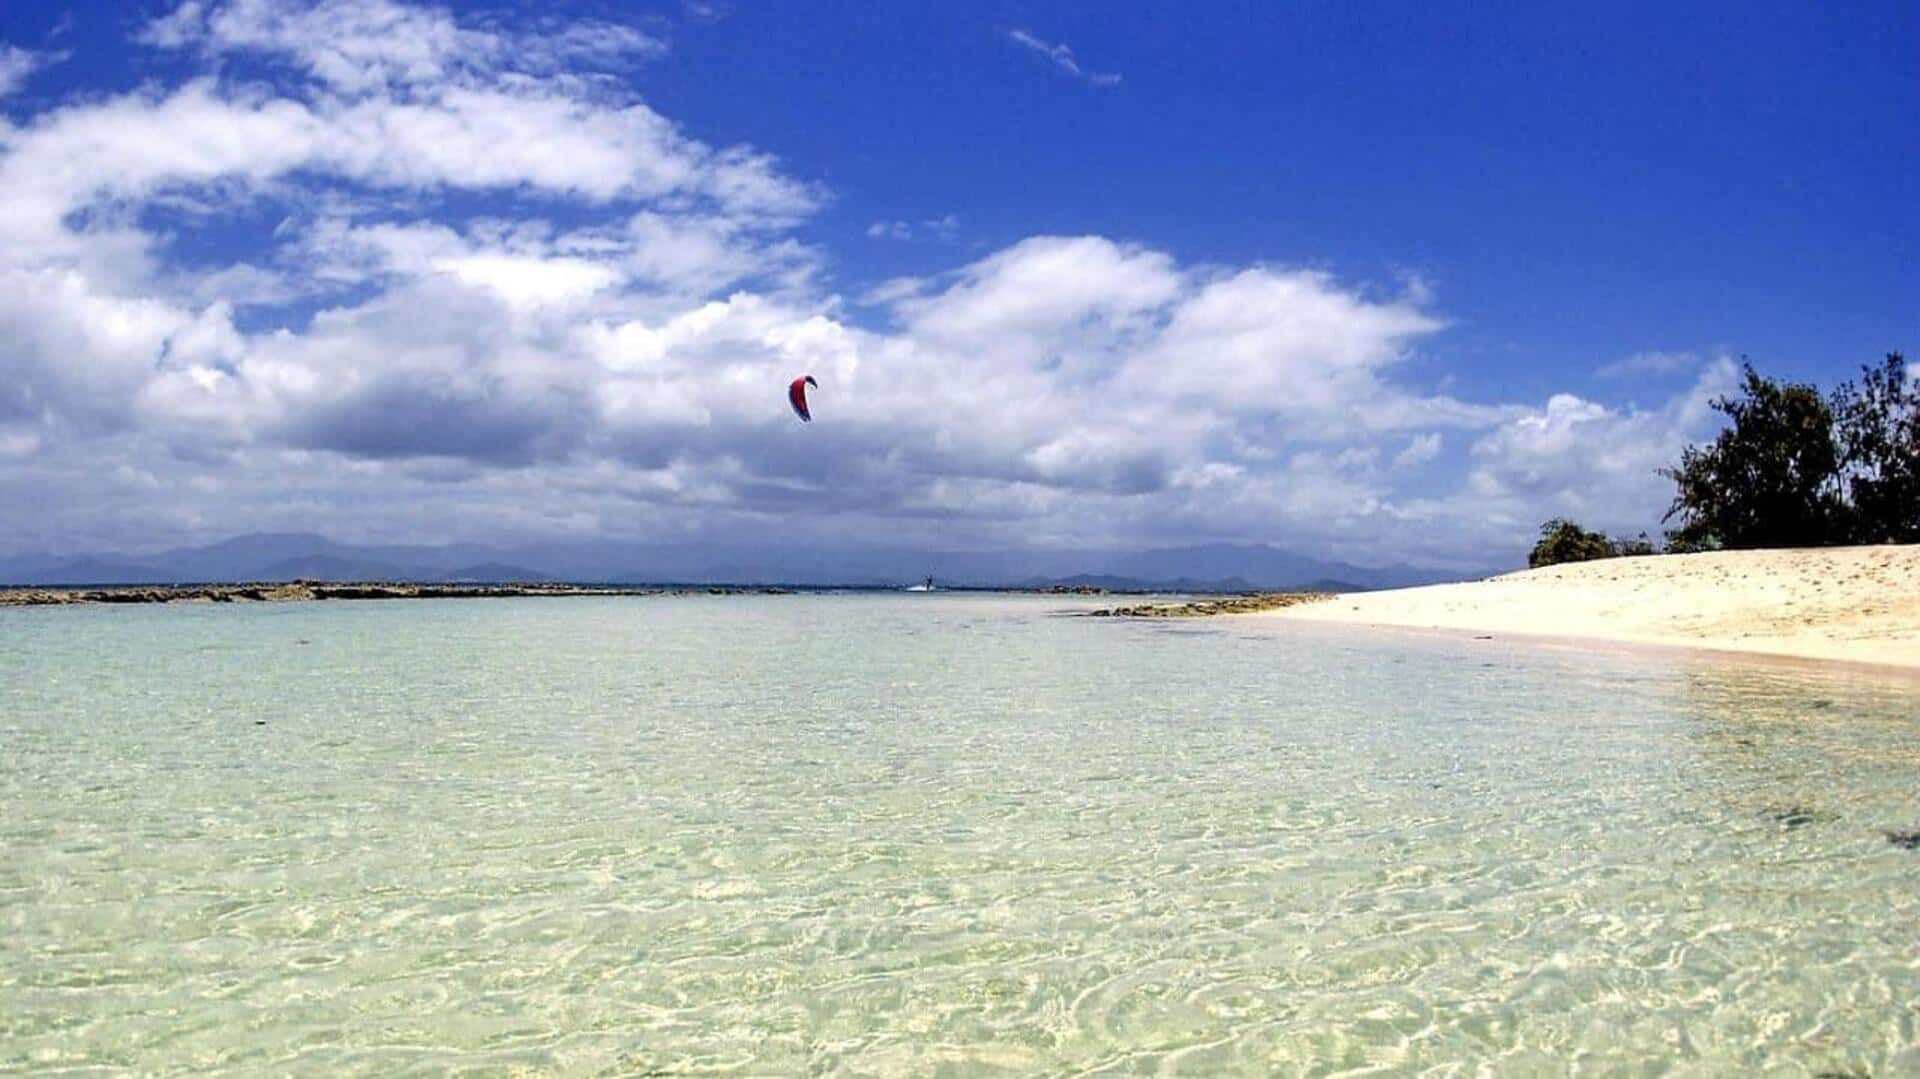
{"points": [[1577, 458], [1060, 56], [492, 297], [1043, 288]]}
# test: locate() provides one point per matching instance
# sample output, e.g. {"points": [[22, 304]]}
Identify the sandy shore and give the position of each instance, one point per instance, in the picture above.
{"points": [[1858, 604]]}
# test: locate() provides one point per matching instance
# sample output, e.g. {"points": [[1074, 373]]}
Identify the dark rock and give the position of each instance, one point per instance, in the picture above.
{"points": [[1794, 817], [296, 591], [1209, 607]]}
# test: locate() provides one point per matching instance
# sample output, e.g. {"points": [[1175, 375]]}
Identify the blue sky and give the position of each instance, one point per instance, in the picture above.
{"points": [[1587, 182], [1385, 283]]}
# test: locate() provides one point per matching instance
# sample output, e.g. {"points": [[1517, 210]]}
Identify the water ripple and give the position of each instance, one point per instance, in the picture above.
{"points": [[867, 836]]}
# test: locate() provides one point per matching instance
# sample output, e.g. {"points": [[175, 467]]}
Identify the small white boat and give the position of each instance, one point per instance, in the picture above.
{"points": [[923, 586]]}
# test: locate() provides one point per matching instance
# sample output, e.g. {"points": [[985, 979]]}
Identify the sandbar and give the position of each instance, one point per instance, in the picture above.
{"points": [[1851, 604]]}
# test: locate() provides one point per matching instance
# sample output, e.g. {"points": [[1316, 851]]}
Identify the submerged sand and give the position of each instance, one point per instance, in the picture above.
{"points": [[1859, 604]]}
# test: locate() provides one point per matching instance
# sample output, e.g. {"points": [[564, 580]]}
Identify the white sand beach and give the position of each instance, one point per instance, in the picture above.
{"points": [[1859, 604]]}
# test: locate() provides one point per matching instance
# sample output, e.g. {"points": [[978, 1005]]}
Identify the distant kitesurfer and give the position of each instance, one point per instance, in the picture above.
{"points": [[797, 396]]}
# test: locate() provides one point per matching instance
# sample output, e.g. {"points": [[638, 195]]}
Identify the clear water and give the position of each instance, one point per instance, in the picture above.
{"points": [[892, 835]]}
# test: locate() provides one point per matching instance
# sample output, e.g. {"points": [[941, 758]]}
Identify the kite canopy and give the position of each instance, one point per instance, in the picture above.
{"points": [[797, 396]]}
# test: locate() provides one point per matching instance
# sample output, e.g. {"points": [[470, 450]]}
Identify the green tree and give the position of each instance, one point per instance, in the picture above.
{"points": [[1771, 478], [1879, 437], [1563, 541]]}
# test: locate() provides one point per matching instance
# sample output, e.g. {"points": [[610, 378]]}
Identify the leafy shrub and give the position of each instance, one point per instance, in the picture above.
{"points": [[1563, 541]]}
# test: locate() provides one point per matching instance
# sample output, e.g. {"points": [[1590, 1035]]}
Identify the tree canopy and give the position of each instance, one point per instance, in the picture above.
{"points": [[1770, 479], [1792, 468], [1878, 431], [1795, 469], [1563, 541]]}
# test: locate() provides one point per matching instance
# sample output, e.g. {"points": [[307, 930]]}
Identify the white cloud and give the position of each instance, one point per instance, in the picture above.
{"points": [[15, 65], [410, 97], [1418, 451], [1650, 365], [1289, 343], [602, 346], [370, 46], [936, 228], [73, 355], [1062, 57], [1599, 465], [523, 269], [1046, 287]]}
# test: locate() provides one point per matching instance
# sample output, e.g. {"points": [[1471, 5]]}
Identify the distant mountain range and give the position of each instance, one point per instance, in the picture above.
{"points": [[290, 556]]}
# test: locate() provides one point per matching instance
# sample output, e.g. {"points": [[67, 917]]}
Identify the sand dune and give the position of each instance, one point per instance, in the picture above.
{"points": [[1840, 603]]}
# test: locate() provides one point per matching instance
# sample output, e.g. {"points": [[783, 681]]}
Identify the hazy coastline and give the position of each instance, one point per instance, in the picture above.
{"points": [[305, 591]]}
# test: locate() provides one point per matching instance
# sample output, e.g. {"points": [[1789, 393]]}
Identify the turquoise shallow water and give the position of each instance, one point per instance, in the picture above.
{"points": [[910, 835]]}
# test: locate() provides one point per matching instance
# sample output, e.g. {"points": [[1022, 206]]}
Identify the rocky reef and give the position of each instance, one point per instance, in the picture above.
{"points": [[1206, 608], [299, 591]]}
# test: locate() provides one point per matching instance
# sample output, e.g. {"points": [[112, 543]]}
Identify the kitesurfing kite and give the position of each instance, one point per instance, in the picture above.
{"points": [[797, 396]]}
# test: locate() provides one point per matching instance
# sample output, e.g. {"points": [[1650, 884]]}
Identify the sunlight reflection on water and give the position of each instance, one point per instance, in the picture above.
{"points": [[882, 834]]}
